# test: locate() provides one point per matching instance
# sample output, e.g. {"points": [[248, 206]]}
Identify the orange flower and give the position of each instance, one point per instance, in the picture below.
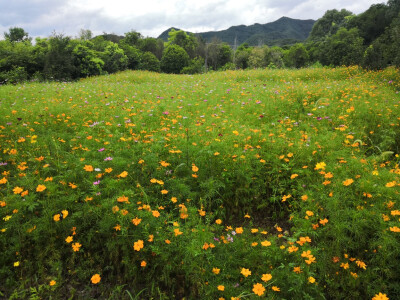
{"points": [[76, 246], [18, 190], [138, 245], [239, 230], [52, 282], [177, 232], [164, 192], [275, 288], [156, 213], [216, 271], [95, 279], [56, 217], [391, 184], [221, 288], [194, 168], [123, 199], [136, 221], [266, 277], [258, 289], [88, 168], [218, 221], [3, 180], [69, 239], [266, 243], [380, 296], [143, 263], [245, 272], [123, 174], [108, 170], [348, 182]]}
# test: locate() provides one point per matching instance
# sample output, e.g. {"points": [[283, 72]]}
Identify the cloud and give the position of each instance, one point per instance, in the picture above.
{"points": [[151, 17]]}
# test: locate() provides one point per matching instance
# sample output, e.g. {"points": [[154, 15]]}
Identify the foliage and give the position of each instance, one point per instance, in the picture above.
{"points": [[297, 56], [150, 62], [174, 59], [114, 58], [195, 66], [329, 24]]}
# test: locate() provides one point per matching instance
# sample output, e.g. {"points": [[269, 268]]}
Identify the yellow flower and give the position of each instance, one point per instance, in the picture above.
{"points": [[16, 264], [216, 271], [156, 213], [69, 239], [194, 168], [164, 192], [293, 176], [52, 282], [245, 272], [218, 221], [95, 279], [266, 277], [258, 289], [56, 217], [311, 279], [3, 180], [320, 166], [221, 288]]}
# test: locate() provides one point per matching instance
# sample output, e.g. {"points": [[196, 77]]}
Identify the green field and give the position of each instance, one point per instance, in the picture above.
{"points": [[276, 184]]}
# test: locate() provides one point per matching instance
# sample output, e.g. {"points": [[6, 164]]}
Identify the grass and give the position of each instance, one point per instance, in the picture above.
{"points": [[281, 184]]}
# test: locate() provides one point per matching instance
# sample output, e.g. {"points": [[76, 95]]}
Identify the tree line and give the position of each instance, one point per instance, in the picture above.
{"points": [[370, 39]]}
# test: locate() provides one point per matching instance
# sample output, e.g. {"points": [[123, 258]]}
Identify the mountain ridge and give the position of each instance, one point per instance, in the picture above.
{"points": [[283, 31]]}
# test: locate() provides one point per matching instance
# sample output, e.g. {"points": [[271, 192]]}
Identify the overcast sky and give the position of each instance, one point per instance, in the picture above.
{"points": [[152, 17]]}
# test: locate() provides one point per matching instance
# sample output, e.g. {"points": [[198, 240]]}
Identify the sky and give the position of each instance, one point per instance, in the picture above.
{"points": [[152, 17]]}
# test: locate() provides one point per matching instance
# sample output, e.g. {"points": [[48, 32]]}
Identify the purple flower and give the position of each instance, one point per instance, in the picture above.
{"points": [[101, 150], [108, 158], [96, 182]]}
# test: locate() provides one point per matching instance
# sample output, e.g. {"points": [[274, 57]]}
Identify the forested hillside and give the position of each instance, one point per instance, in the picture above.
{"points": [[284, 31], [339, 38]]}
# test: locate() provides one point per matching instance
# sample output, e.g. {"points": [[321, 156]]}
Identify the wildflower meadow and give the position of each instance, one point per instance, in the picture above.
{"points": [[274, 184]]}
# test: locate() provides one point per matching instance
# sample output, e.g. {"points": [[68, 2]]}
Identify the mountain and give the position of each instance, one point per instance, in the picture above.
{"points": [[284, 31]]}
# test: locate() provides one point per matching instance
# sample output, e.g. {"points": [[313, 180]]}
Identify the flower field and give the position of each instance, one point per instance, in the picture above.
{"points": [[276, 184]]}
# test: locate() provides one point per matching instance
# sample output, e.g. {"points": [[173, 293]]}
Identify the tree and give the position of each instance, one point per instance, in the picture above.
{"points": [[16, 34], [372, 22], [343, 48], [296, 56], [256, 58], [114, 58], [155, 46], [86, 61], [242, 56], [183, 39], [150, 62], [134, 55], [329, 24], [85, 34], [59, 61], [133, 38], [174, 59]]}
